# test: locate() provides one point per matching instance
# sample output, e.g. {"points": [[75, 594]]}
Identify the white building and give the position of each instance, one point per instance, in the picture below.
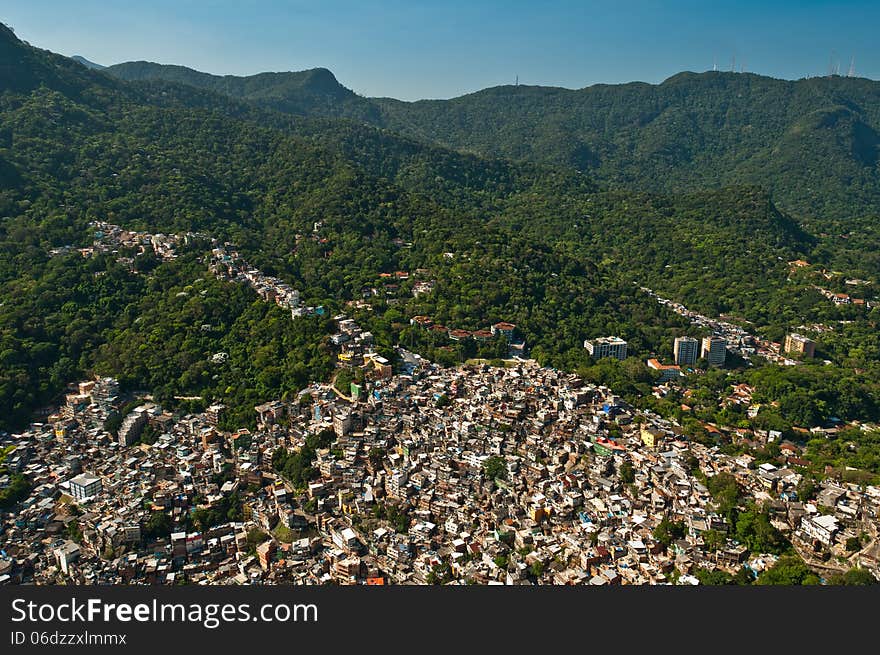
{"points": [[606, 347], [66, 555], [822, 527], [85, 485], [132, 426]]}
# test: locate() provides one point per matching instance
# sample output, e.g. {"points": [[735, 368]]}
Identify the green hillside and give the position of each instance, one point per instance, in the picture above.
{"points": [[535, 244], [313, 92], [812, 143]]}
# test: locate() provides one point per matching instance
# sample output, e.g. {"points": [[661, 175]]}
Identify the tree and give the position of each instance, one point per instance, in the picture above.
{"points": [[725, 491], [744, 576], [158, 525], [149, 435], [715, 577], [801, 409], [377, 456], [495, 469], [344, 378], [754, 529], [394, 514], [714, 539], [668, 531], [627, 473], [440, 574], [854, 577], [806, 488], [74, 532], [789, 570], [255, 537], [18, 489], [853, 544]]}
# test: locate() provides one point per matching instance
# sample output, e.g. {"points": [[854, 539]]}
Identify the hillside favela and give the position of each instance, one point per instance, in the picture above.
{"points": [[263, 329]]}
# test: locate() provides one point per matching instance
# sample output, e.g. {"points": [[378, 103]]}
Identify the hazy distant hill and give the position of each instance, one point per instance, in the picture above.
{"points": [[88, 64], [814, 143], [25, 68], [313, 92]]}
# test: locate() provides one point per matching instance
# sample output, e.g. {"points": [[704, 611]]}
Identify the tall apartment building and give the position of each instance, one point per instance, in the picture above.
{"points": [[85, 485], [606, 347], [105, 390], [686, 350], [214, 412], [342, 423], [800, 345], [396, 484], [714, 350], [132, 426]]}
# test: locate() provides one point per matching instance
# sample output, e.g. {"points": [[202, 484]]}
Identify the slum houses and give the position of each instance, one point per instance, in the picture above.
{"points": [[475, 474]]}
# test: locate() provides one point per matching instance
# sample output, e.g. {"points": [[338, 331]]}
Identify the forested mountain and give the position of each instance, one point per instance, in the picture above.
{"points": [[313, 92], [693, 131], [537, 244]]}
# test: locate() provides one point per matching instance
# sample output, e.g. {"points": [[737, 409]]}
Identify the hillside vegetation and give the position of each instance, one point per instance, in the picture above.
{"points": [[812, 143], [330, 204]]}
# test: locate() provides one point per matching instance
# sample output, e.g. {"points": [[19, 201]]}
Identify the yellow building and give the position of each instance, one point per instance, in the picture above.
{"points": [[800, 345], [651, 437], [538, 513]]}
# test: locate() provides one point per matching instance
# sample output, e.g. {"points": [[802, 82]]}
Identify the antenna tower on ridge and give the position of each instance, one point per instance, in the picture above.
{"points": [[852, 68]]}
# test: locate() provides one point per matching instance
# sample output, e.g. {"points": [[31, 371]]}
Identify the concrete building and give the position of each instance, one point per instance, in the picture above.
{"points": [[822, 528], [67, 555], [214, 412], [132, 426], [425, 469], [342, 423], [667, 371], [606, 347], [85, 485], [271, 413], [800, 345], [714, 350], [686, 350], [505, 329]]}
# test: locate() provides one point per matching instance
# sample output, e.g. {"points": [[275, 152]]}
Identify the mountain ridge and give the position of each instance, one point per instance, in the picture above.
{"points": [[88, 64], [315, 91], [691, 131], [124, 69]]}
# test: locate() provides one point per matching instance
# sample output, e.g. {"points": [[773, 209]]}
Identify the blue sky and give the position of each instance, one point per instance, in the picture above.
{"points": [[430, 49]]}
